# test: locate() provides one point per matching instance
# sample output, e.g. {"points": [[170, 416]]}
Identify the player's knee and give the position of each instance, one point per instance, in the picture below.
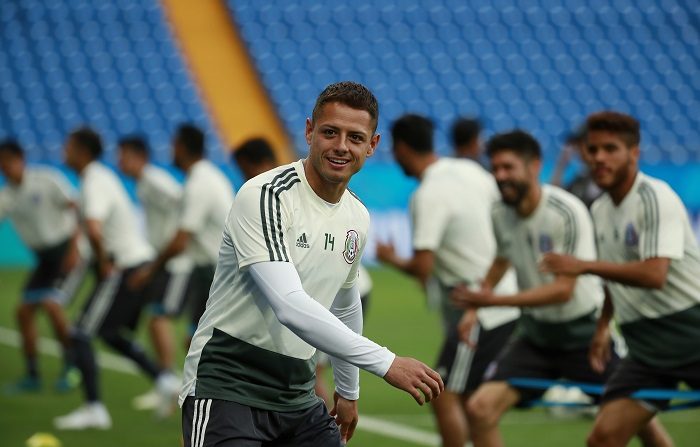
{"points": [[25, 312], [480, 411], [601, 436]]}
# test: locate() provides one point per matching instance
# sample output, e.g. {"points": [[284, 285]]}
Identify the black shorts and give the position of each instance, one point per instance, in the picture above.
{"points": [[462, 368], [112, 306], [523, 359], [198, 292], [631, 376], [49, 280], [221, 423], [168, 292]]}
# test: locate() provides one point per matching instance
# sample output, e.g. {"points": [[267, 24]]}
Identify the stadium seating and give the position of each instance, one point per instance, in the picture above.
{"points": [[112, 65], [538, 64]]}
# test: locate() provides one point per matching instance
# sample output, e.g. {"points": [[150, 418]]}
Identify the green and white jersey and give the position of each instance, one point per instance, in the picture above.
{"points": [[661, 327], [559, 224], [40, 207], [240, 351], [208, 195], [161, 197], [451, 216]]}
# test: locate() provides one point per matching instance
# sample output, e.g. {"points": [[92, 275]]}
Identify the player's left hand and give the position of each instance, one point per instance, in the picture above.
{"points": [[346, 416], [559, 264], [462, 297]]}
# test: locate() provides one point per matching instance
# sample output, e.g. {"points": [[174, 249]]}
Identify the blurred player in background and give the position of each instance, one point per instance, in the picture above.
{"points": [[582, 185], [112, 311], [249, 375], [453, 242], [41, 205], [207, 198], [559, 311], [466, 138], [650, 261], [254, 157], [161, 197]]}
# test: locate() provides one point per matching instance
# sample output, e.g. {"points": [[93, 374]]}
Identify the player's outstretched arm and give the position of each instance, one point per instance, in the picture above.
{"points": [[416, 378]]}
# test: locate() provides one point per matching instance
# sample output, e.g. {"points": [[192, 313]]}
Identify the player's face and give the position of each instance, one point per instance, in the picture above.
{"points": [[339, 141], [513, 175], [12, 167], [71, 154], [610, 160], [130, 163]]}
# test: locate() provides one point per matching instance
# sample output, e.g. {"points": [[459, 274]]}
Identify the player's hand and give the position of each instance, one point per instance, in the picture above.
{"points": [[559, 264], [346, 416], [105, 269], [466, 326], [415, 378], [599, 351], [462, 297], [385, 252], [140, 277], [70, 261]]}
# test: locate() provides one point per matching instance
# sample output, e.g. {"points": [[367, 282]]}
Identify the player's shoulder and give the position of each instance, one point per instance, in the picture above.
{"points": [[356, 205], [655, 187], [46, 173], [560, 199], [277, 184]]}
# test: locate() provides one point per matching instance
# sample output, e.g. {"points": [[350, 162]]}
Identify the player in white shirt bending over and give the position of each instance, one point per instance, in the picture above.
{"points": [[249, 375], [160, 195], [650, 262], [113, 309], [453, 242], [41, 205], [559, 311], [207, 197]]}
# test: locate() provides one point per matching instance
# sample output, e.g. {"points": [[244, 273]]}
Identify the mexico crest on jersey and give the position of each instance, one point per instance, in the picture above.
{"points": [[352, 246], [546, 243], [631, 237]]}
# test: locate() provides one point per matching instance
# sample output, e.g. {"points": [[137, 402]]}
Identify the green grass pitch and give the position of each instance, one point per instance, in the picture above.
{"points": [[397, 318]]}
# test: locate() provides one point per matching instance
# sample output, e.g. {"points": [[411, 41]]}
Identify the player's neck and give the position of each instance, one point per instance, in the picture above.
{"points": [[619, 192], [529, 203], [423, 163], [328, 191]]}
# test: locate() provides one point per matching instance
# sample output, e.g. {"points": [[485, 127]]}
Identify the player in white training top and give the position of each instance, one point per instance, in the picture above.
{"points": [[650, 262], [160, 195], [452, 242], [41, 205], [286, 284]]}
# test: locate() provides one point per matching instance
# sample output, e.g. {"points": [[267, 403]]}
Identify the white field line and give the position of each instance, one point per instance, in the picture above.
{"points": [[107, 360]]}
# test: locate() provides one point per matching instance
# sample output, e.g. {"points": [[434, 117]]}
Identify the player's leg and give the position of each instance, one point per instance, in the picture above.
{"points": [[618, 421], [574, 365], [449, 409], [484, 410], [26, 321], [213, 422], [93, 413]]}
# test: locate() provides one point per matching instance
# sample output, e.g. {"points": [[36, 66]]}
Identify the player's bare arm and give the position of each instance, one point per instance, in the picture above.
{"points": [[649, 273], [419, 266], [176, 246], [558, 291], [599, 351], [94, 233]]}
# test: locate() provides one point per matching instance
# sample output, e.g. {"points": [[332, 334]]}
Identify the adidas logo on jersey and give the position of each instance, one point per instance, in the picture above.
{"points": [[302, 242]]}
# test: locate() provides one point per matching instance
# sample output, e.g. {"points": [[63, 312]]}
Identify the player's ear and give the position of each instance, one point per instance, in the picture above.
{"points": [[634, 152], [309, 130], [373, 143]]}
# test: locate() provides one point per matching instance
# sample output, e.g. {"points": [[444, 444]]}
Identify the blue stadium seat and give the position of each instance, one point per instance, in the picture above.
{"points": [[540, 64], [111, 65]]}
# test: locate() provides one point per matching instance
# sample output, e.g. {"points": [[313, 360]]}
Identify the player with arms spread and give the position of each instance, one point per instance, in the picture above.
{"points": [[249, 374]]}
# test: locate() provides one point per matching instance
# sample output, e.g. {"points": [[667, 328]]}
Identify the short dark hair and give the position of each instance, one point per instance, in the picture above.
{"points": [[11, 147], [192, 139], [88, 140], [465, 131], [255, 150], [351, 94], [625, 126], [136, 144], [414, 130], [518, 141]]}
